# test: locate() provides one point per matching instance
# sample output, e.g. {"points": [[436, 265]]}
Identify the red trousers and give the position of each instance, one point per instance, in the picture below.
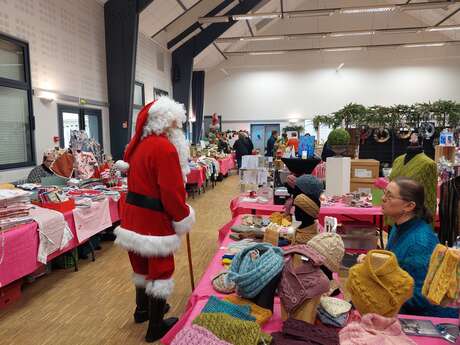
{"points": [[152, 268]]}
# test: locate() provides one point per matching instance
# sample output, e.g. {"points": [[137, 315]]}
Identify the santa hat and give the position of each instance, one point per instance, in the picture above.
{"points": [[154, 118]]}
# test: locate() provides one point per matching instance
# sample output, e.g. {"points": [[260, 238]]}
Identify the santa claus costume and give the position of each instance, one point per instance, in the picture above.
{"points": [[155, 215]]}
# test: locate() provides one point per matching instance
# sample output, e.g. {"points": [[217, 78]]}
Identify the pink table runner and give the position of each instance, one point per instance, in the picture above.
{"points": [[19, 247], [226, 164], [196, 176], [204, 290], [92, 220]]}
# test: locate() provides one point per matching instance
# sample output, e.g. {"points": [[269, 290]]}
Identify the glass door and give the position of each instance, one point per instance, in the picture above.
{"points": [[75, 118]]}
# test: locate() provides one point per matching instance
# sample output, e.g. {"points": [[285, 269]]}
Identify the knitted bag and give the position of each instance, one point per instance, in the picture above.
{"points": [[235, 331], [254, 267], [216, 305], [196, 335], [382, 290], [262, 315]]}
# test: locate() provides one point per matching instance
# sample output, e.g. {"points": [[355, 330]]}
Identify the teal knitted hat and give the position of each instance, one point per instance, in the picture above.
{"points": [[216, 305], [254, 267]]}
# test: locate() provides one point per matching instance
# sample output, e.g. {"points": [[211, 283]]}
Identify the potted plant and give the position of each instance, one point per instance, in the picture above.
{"points": [[339, 139]]}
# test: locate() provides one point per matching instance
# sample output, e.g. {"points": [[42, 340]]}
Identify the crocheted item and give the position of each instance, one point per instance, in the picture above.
{"points": [[304, 235], [297, 332], [196, 335], [304, 282], [435, 262], [334, 306], [262, 315], [330, 246], [254, 267], [374, 330], [444, 282], [235, 331], [221, 284], [310, 185], [382, 290], [327, 319], [307, 205], [216, 305], [422, 169]]}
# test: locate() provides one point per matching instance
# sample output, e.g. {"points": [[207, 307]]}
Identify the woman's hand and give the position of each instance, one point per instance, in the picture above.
{"points": [[288, 206]]}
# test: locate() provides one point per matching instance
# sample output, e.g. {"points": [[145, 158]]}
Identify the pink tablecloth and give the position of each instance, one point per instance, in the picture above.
{"points": [[197, 176], [19, 247], [226, 164], [204, 290]]}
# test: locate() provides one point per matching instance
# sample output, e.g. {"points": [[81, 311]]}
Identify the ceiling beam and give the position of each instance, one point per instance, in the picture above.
{"points": [[142, 5], [447, 17], [334, 11], [364, 32], [344, 48]]}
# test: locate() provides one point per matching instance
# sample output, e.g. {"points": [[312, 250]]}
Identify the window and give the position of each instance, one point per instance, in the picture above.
{"points": [[76, 118], [139, 101], [16, 115]]}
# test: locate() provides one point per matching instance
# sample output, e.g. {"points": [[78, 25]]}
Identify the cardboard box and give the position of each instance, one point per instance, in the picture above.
{"points": [[365, 168], [362, 185]]}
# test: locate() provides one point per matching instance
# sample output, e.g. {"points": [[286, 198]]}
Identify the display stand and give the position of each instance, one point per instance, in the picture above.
{"points": [[338, 171]]}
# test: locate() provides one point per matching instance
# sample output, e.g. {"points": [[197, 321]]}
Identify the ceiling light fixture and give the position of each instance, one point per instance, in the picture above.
{"points": [[420, 45], [310, 13], [443, 28], [359, 10], [213, 20], [340, 66], [262, 38], [351, 33], [271, 52], [256, 16], [343, 49]]}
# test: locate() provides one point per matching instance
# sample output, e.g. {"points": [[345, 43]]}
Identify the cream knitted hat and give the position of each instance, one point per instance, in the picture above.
{"points": [[330, 246]]}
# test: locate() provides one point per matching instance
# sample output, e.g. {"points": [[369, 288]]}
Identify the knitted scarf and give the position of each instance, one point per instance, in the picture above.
{"points": [[254, 267], [304, 235], [307, 205]]}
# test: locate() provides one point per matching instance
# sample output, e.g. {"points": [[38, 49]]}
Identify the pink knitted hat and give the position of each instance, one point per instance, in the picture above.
{"points": [[374, 329], [196, 335]]}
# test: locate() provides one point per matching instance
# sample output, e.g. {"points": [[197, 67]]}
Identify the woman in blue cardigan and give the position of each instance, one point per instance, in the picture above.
{"points": [[412, 240]]}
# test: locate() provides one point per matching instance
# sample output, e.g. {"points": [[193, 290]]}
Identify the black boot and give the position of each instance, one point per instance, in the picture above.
{"points": [[141, 314], [158, 326]]}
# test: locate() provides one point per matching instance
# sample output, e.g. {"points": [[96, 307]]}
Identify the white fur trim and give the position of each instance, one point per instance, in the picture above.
{"points": [[161, 288], [162, 114], [122, 165], [147, 245], [185, 225], [139, 280]]}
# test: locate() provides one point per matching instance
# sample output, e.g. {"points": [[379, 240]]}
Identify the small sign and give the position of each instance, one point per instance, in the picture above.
{"points": [[363, 173]]}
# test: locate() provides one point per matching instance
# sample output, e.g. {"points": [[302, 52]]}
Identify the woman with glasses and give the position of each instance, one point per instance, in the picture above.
{"points": [[412, 240]]}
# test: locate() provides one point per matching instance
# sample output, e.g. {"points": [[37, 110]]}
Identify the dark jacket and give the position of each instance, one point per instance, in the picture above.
{"points": [[327, 152], [270, 146], [241, 148]]}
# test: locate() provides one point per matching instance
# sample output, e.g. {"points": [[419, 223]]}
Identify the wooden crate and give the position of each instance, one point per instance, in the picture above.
{"points": [[364, 169]]}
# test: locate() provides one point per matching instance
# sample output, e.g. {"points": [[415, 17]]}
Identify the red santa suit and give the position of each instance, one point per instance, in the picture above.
{"points": [[156, 164]]}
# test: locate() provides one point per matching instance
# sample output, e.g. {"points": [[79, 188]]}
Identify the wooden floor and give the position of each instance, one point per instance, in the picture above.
{"points": [[95, 305]]}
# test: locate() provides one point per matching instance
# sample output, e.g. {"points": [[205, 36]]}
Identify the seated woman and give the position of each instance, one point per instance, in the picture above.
{"points": [[412, 240], [43, 170]]}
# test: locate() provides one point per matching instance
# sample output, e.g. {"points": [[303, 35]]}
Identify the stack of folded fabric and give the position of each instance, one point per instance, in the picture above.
{"points": [[333, 311], [442, 283], [296, 332], [241, 232], [14, 208], [222, 322]]}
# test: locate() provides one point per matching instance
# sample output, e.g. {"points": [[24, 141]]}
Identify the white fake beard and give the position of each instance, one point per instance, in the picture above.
{"points": [[177, 138]]}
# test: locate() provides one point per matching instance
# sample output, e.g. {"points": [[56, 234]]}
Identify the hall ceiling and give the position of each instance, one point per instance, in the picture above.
{"points": [[164, 20]]}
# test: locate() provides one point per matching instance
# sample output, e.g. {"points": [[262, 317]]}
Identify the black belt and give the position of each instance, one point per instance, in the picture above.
{"points": [[144, 201]]}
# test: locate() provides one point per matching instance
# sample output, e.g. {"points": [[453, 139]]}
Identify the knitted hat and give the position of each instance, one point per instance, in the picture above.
{"points": [[262, 315], [309, 185], [233, 330], [196, 335], [216, 305], [380, 290], [254, 267], [221, 284], [374, 329], [330, 246]]}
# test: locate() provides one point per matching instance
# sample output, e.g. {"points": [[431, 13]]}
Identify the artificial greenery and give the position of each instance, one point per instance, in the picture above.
{"points": [[339, 136], [444, 113], [298, 129]]}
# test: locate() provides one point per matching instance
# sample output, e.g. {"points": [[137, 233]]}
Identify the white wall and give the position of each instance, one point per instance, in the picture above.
{"points": [[304, 85], [67, 55], [147, 67]]}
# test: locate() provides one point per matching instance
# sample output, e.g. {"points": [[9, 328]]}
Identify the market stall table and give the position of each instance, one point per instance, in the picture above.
{"points": [[19, 247], [204, 290], [196, 179], [226, 164]]}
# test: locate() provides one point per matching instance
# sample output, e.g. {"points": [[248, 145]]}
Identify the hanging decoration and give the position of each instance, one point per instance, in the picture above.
{"points": [[382, 135]]}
